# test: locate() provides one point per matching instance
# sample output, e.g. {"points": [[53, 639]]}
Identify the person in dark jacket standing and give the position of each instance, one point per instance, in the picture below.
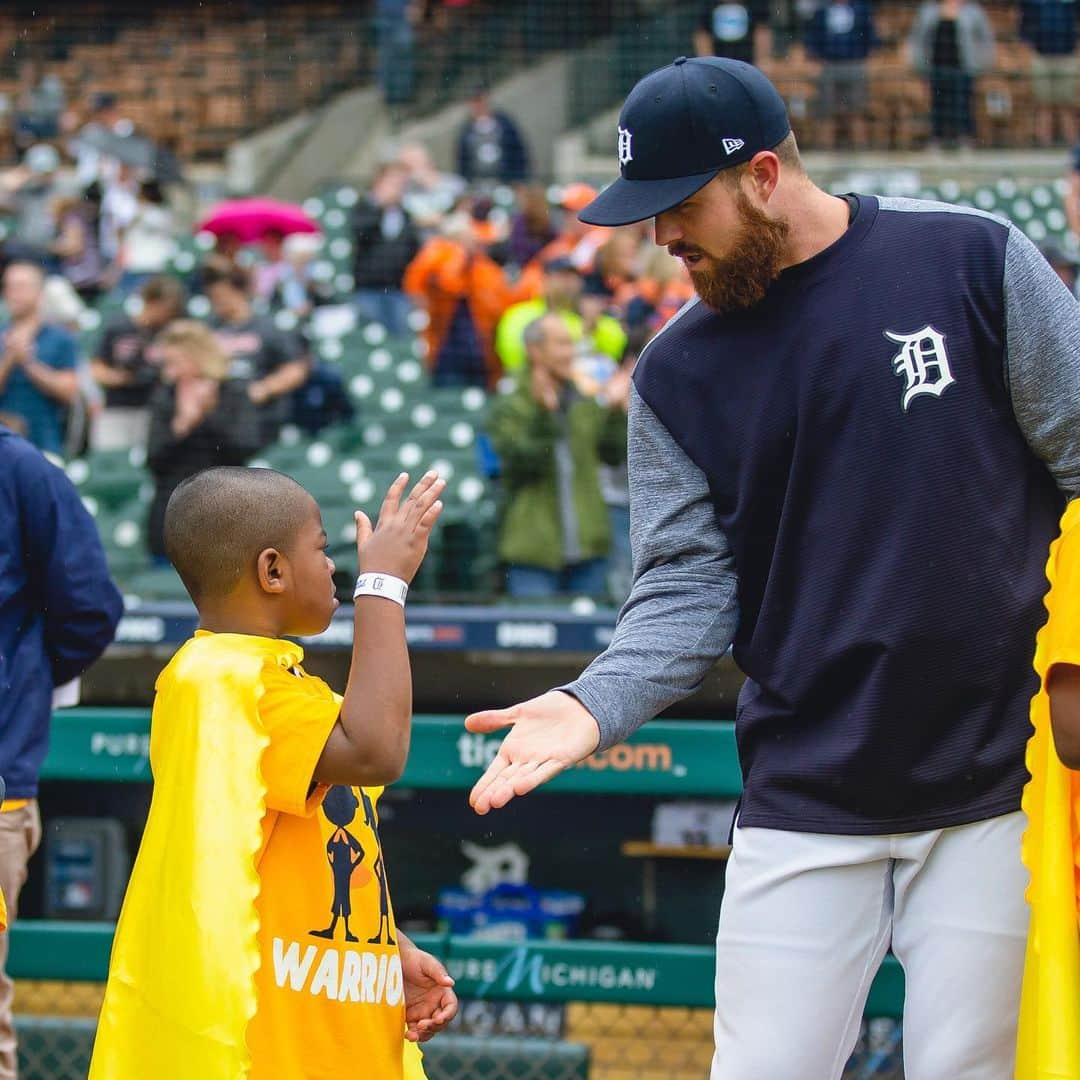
{"points": [[847, 459], [491, 149], [58, 612], [385, 241]]}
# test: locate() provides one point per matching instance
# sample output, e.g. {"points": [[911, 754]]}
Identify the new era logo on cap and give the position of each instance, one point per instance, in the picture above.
{"points": [[731, 145]]}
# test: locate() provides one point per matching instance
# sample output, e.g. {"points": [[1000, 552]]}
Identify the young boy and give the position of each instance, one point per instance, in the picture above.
{"points": [[1049, 1039], [256, 938]]}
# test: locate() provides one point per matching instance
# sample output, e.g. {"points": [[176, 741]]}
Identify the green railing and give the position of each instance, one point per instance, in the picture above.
{"points": [[533, 971], [663, 758]]}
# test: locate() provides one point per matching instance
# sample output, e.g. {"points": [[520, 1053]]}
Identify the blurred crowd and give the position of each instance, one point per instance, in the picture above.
{"points": [[948, 44], [506, 288]]}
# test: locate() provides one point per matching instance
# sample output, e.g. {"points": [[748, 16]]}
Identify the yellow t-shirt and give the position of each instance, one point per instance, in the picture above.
{"points": [[329, 986], [1048, 1046]]}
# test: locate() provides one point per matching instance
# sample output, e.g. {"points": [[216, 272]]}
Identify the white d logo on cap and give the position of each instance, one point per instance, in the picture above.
{"points": [[624, 146]]}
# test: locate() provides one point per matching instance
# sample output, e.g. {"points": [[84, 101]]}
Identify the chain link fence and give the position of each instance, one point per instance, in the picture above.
{"points": [[889, 75], [576, 1041]]}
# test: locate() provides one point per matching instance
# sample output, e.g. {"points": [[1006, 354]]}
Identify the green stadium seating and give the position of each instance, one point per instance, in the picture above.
{"points": [[111, 478]]}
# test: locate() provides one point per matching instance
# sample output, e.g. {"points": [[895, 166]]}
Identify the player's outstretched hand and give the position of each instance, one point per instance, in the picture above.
{"points": [[398, 543], [547, 734]]}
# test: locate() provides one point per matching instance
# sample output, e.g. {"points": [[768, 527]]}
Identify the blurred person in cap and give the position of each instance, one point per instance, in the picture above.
{"points": [[561, 293], [552, 439], [38, 360], [463, 292], [811, 443]]}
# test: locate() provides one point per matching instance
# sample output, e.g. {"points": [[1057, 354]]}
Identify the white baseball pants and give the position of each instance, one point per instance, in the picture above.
{"points": [[806, 919]]}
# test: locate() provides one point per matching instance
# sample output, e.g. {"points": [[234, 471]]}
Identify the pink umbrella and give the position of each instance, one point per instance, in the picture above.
{"points": [[252, 219]]}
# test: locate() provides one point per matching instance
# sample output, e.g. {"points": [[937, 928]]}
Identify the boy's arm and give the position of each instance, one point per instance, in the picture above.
{"points": [[1063, 688], [370, 741]]}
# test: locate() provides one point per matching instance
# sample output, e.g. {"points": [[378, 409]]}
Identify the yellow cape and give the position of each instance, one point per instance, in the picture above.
{"points": [[181, 987], [1049, 1039]]}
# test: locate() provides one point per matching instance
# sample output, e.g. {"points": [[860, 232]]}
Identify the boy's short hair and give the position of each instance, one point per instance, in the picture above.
{"points": [[218, 521]]}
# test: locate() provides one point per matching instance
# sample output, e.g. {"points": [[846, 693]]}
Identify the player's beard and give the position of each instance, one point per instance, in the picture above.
{"points": [[742, 277]]}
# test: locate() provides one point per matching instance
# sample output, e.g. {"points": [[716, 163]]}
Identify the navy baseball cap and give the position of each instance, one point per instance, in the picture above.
{"points": [[680, 126]]}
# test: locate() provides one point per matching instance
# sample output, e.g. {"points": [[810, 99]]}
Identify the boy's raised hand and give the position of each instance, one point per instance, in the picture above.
{"points": [[399, 541]]}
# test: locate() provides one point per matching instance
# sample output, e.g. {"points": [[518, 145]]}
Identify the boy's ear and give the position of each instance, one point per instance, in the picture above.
{"points": [[272, 570]]}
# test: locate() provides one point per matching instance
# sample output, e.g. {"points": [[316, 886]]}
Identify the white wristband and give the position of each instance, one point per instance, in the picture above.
{"points": [[381, 585]]}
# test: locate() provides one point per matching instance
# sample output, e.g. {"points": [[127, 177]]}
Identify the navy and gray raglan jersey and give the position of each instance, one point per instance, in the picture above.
{"points": [[854, 484]]}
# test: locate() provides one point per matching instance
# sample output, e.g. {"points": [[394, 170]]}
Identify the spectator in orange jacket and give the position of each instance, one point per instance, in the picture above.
{"points": [[464, 292]]}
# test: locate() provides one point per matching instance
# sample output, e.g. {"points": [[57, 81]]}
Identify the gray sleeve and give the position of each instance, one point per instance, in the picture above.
{"points": [[682, 612], [1042, 359]]}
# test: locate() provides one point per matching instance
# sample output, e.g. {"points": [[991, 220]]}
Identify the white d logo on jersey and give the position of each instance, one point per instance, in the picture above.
{"points": [[624, 146], [922, 363]]}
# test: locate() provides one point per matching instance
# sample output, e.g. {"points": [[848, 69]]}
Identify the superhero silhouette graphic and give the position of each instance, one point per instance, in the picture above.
{"points": [[344, 853], [379, 870]]}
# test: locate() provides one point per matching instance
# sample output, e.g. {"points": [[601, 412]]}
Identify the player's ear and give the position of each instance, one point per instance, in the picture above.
{"points": [[272, 570], [763, 173]]}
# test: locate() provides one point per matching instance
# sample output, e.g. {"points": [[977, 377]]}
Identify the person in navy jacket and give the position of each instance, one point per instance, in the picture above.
{"points": [[58, 611]]}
